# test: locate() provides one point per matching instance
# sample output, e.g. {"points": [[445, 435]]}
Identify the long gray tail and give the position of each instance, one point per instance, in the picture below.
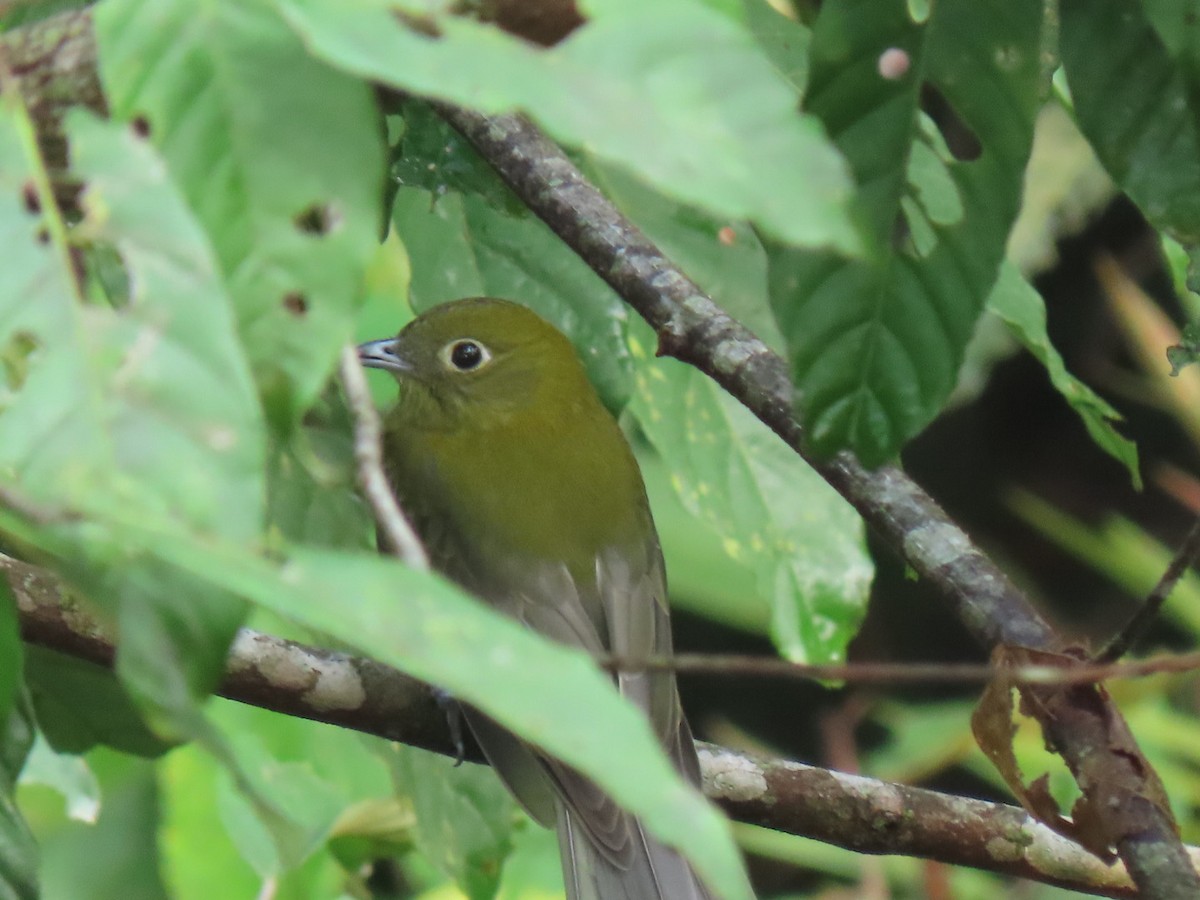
{"points": [[643, 869]]}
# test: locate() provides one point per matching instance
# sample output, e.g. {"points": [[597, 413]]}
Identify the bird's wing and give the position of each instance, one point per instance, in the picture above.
{"points": [[623, 610], [607, 853]]}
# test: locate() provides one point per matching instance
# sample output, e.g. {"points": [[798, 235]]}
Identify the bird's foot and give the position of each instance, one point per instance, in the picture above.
{"points": [[454, 719]]}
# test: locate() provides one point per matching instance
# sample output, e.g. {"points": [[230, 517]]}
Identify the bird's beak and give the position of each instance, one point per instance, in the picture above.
{"points": [[383, 354]]}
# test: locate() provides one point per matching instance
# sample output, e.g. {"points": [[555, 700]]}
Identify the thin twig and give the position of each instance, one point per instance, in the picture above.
{"points": [[368, 455], [1147, 613], [905, 673]]}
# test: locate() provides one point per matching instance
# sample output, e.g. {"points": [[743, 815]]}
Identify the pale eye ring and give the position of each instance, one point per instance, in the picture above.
{"points": [[465, 355]]}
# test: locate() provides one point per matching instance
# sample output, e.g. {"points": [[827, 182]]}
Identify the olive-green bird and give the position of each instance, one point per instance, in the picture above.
{"points": [[525, 492]]}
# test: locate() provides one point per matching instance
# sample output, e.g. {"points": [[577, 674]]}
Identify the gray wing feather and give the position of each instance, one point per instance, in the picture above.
{"points": [[607, 854]]}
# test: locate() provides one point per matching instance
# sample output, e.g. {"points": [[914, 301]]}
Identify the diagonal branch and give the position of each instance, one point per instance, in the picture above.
{"points": [[1147, 613], [1082, 723], [851, 811]]}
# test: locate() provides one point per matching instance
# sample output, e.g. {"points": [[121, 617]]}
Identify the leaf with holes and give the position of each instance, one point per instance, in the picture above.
{"points": [[280, 157], [147, 407], [676, 93], [875, 344]]}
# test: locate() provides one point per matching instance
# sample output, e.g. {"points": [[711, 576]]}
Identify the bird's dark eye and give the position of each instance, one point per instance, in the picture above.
{"points": [[467, 355]]}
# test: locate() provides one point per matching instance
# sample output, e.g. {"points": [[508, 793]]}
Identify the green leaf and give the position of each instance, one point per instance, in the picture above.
{"points": [[190, 812], [1139, 108], [156, 394], [18, 851], [716, 124], [150, 412], [307, 772], [1187, 351], [294, 791], [533, 870], [1180, 264], [725, 258], [1019, 304], [311, 494], [386, 307], [280, 157], [551, 695], [465, 817], [876, 344], [703, 577], [79, 705], [148, 406], [10, 651], [460, 246], [432, 156], [183, 417], [119, 854], [66, 773], [784, 40], [774, 514]]}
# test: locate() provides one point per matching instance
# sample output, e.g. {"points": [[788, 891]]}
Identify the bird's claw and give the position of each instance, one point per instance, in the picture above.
{"points": [[454, 719]]}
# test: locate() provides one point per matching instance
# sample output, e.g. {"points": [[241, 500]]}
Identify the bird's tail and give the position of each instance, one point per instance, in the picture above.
{"points": [[643, 869]]}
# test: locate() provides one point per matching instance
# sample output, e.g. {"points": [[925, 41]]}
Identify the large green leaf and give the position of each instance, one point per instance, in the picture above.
{"points": [[280, 157], [533, 870], [462, 246], [192, 813], [1137, 105], [415, 621], [703, 577], [875, 344], [675, 92], [775, 515], [148, 406]]}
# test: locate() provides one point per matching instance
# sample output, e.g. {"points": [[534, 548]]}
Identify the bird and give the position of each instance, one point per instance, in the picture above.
{"points": [[525, 492]]}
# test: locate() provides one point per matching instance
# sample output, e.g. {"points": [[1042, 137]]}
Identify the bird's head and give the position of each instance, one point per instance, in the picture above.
{"points": [[477, 358]]}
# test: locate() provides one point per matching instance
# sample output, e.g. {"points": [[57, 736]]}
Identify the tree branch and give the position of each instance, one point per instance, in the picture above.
{"points": [[851, 811], [1147, 613], [1082, 723]]}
